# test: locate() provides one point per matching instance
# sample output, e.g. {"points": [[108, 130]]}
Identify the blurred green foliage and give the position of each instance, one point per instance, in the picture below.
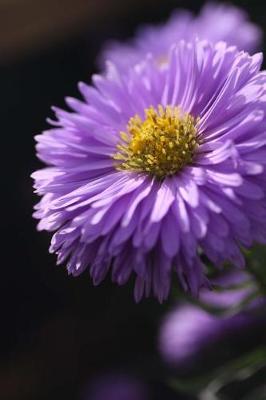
{"points": [[242, 376]]}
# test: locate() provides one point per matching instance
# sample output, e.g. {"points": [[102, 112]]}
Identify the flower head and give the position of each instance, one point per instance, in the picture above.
{"points": [[157, 167], [215, 22]]}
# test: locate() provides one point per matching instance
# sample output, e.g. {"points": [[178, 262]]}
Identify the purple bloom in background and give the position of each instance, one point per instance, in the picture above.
{"points": [[156, 167], [214, 23], [116, 387], [189, 330]]}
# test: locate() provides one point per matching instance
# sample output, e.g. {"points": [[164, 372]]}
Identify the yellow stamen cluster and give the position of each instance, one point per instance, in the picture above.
{"points": [[161, 144]]}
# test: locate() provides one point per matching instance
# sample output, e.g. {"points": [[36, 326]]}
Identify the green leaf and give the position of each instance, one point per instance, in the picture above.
{"points": [[256, 264], [208, 385]]}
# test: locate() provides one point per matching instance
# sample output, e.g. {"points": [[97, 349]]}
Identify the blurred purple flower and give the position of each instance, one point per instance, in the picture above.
{"points": [[189, 330], [116, 387], [156, 167], [215, 22]]}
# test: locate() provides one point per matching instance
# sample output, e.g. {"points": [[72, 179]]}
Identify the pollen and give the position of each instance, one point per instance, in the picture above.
{"points": [[160, 145]]}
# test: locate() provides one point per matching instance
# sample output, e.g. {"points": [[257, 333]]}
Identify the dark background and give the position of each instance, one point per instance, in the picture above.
{"points": [[57, 332]]}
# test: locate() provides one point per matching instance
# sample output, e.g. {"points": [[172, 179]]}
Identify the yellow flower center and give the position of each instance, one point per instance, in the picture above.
{"points": [[160, 145]]}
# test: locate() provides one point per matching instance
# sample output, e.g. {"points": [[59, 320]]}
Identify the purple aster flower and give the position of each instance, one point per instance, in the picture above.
{"points": [[189, 331], [116, 387], [214, 23], [157, 167]]}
